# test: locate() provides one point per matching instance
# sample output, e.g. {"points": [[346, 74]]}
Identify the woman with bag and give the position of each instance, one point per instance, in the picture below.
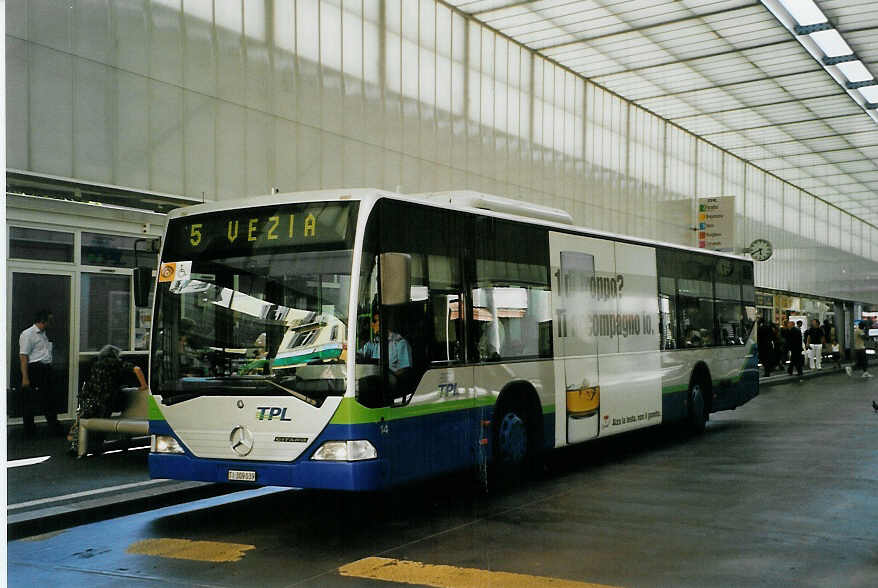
{"points": [[100, 392]]}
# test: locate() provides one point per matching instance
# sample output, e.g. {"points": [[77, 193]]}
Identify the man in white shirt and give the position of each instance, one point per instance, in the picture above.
{"points": [[35, 354]]}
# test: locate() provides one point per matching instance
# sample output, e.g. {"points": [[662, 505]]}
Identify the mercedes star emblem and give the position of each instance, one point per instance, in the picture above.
{"points": [[241, 440]]}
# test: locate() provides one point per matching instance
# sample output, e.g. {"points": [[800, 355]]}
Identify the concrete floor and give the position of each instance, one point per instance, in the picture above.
{"points": [[783, 491]]}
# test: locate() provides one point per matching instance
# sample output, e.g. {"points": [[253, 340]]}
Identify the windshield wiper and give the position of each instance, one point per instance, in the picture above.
{"points": [[169, 400], [301, 397], [195, 388]]}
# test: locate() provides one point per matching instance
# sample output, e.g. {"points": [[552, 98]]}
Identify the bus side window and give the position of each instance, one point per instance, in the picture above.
{"points": [[432, 322], [511, 295]]}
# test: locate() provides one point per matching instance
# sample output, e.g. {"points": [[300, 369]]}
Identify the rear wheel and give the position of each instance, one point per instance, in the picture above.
{"points": [[513, 445], [697, 416], [512, 438]]}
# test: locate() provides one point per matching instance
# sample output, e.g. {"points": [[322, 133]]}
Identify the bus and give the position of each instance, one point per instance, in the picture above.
{"points": [[359, 339]]}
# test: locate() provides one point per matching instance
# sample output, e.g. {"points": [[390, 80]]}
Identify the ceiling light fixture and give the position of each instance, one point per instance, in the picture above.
{"points": [[831, 43], [827, 45], [854, 71], [870, 93], [804, 11]]}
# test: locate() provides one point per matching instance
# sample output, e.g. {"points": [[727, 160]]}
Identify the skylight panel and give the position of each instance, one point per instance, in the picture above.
{"points": [[704, 125], [854, 123], [842, 155], [867, 139]]}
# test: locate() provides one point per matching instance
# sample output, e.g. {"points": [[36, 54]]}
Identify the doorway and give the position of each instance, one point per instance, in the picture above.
{"points": [[32, 292]]}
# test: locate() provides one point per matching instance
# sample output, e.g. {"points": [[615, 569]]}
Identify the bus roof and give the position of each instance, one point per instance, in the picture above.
{"points": [[463, 200]]}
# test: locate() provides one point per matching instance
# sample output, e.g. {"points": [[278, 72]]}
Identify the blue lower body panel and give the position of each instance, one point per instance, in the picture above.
{"points": [[409, 449], [742, 391], [300, 473]]}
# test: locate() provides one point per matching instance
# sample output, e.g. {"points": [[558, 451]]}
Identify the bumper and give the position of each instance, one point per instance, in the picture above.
{"points": [[357, 476], [354, 476]]}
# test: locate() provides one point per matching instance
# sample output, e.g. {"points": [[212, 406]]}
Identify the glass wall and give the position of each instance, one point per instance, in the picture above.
{"points": [[218, 100], [88, 276]]}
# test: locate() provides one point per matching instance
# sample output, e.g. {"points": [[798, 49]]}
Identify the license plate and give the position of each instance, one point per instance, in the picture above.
{"points": [[242, 475]]}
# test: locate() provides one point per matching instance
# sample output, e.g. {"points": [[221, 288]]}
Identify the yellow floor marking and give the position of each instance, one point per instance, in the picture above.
{"points": [[442, 576], [214, 551]]}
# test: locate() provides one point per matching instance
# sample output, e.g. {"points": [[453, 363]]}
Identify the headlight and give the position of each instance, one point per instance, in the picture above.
{"points": [[346, 451], [164, 444]]}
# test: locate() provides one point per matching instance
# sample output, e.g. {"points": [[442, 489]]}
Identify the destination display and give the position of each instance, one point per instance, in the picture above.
{"points": [[244, 231]]}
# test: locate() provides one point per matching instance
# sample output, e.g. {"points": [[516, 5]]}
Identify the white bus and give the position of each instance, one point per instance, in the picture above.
{"points": [[357, 339]]}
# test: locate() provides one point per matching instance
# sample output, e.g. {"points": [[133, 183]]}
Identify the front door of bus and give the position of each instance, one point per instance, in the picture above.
{"points": [[576, 261], [430, 428]]}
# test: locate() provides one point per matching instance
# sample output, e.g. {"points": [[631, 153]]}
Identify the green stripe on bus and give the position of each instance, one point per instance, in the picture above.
{"points": [[732, 381], [155, 413], [674, 389], [351, 412]]}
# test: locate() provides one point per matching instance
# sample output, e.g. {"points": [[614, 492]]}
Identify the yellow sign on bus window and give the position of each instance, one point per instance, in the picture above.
{"points": [[167, 272]]}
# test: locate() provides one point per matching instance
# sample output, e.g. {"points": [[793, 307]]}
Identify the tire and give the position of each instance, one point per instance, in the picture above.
{"points": [[513, 445], [696, 419]]}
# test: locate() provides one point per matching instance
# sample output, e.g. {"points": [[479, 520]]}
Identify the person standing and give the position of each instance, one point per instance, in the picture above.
{"points": [[814, 339], [35, 355], [777, 359], [829, 340], [862, 361], [765, 345], [794, 344], [783, 343]]}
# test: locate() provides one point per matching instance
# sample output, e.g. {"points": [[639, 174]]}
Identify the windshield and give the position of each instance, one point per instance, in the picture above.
{"points": [[254, 301]]}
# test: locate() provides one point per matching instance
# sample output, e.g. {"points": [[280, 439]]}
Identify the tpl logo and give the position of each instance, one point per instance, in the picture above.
{"points": [[268, 413]]}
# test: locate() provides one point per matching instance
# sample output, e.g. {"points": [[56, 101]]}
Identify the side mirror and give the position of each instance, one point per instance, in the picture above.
{"points": [[142, 285], [396, 278]]}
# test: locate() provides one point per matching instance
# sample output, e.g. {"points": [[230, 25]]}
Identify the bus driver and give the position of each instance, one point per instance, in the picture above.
{"points": [[398, 349]]}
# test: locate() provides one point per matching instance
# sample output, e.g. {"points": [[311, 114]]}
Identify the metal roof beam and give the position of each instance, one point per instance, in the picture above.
{"points": [[687, 59], [845, 174], [648, 27], [767, 104], [513, 5], [809, 152], [728, 85], [777, 169], [793, 122]]}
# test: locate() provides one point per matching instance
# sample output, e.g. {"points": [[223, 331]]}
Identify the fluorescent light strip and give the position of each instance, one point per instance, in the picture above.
{"points": [[854, 71], [804, 11], [870, 93], [831, 43]]}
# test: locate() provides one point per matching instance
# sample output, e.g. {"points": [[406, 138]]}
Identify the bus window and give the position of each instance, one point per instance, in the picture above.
{"points": [[668, 312], [511, 297], [430, 325], [730, 322]]}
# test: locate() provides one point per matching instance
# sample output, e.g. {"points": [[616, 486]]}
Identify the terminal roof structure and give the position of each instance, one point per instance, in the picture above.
{"points": [[768, 81]]}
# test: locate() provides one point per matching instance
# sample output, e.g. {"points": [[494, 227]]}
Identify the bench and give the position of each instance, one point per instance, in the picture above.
{"points": [[133, 421]]}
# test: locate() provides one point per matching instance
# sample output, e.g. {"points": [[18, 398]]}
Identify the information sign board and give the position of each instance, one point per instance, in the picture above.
{"points": [[716, 223]]}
